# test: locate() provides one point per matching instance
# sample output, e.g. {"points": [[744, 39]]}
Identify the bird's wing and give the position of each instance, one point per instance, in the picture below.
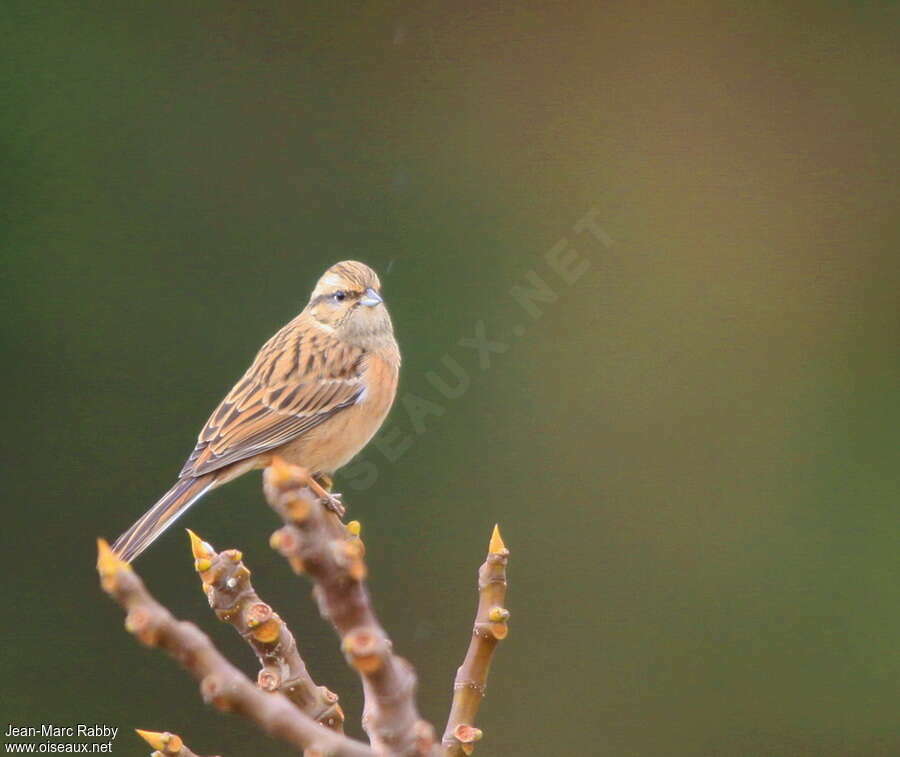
{"points": [[301, 377]]}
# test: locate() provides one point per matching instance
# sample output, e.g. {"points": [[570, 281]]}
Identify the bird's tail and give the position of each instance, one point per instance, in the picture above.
{"points": [[162, 515]]}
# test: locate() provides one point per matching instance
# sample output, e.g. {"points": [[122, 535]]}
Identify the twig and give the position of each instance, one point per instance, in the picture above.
{"points": [[316, 542], [226, 583], [166, 744], [490, 627], [221, 683]]}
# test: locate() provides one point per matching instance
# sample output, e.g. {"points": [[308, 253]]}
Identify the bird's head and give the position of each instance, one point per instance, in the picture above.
{"points": [[347, 299]]}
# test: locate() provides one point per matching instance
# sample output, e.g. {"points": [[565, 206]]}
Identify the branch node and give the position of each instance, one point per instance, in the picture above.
{"points": [[283, 475], [365, 649], [498, 615], [258, 613], [268, 680], [212, 691], [297, 508], [139, 623], [268, 631], [478, 686], [467, 734]]}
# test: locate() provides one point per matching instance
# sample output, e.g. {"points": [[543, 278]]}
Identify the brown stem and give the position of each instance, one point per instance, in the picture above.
{"points": [[226, 582], [166, 744], [315, 541], [221, 683], [490, 627]]}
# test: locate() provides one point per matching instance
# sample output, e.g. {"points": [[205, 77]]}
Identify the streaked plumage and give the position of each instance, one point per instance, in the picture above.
{"points": [[315, 394]]}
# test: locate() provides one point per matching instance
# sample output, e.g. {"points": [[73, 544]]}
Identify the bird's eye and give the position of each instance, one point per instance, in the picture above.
{"points": [[340, 296]]}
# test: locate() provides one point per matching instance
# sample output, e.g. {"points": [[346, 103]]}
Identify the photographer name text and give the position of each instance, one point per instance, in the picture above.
{"points": [[48, 730]]}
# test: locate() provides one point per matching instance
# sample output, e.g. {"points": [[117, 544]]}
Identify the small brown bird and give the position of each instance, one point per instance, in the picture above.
{"points": [[315, 395]]}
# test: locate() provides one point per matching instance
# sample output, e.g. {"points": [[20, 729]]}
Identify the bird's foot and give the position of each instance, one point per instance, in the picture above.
{"points": [[333, 502], [321, 485]]}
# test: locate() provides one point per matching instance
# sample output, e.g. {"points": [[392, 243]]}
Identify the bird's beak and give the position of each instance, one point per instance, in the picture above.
{"points": [[370, 298]]}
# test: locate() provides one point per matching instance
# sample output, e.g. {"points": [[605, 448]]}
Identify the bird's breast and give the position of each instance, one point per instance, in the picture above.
{"points": [[332, 444]]}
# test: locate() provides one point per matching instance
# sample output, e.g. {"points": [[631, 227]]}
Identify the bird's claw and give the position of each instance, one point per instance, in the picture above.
{"points": [[321, 487], [333, 502]]}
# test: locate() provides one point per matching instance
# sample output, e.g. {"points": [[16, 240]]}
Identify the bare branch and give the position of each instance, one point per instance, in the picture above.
{"points": [[226, 583], [490, 627], [221, 683], [315, 541]]}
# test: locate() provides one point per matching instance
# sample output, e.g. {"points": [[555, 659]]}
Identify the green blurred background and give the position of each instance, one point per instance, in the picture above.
{"points": [[691, 451]]}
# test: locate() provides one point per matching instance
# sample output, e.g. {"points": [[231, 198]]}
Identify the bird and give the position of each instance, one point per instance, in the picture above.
{"points": [[315, 394]]}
